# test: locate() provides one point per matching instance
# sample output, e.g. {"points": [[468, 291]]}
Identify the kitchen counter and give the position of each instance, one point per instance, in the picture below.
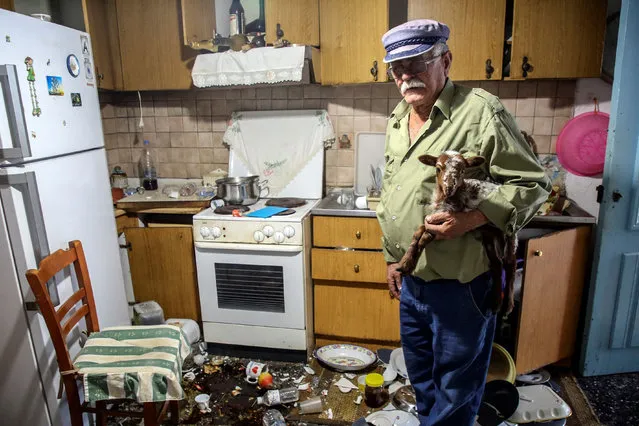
{"points": [[156, 202], [573, 215]]}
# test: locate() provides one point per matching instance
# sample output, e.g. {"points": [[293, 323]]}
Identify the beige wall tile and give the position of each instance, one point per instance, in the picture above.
{"points": [[362, 91], [189, 124], [189, 107], [327, 92], [160, 108], [218, 140], [525, 124], [546, 89], [332, 108], [163, 140], [233, 93], [508, 89], [345, 106], [379, 91], [544, 107], [345, 158], [161, 124], [362, 107], [263, 104], [175, 124], [203, 94], [331, 157], [189, 139], [174, 108], [111, 140], [221, 155], [205, 139], [558, 124], [125, 155], [361, 124], [218, 93], [525, 107], [527, 89], [566, 88], [543, 143], [219, 123], [204, 124], [510, 105], [112, 157], [125, 140], [312, 103], [206, 168], [378, 124], [218, 107], [345, 176], [121, 125], [295, 104], [564, 107], [295, 92], [553, 144], [344, 124], [164, 155], [331, 175], [490, 87], [193, 170], [279, 104], [344, 92], [177, 139], [279, 93], [130, 169], [121, 111], [149, 123], [203, 108], [312, 91], [232, 106], [263, 93], [542, 126], [379, 107], [107, 110], [248, 93], [206, 155]]}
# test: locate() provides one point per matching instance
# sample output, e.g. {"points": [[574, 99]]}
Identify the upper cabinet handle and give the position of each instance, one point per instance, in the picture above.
{"points": [[15, 114], [358, 235], [374, 70], [489, 69], [526, 67]]}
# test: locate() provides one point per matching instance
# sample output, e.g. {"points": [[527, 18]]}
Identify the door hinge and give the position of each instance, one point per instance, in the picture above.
{"points": [[600, 190]]}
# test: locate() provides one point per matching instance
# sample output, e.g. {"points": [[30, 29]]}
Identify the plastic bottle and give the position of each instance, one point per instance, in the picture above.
{"points": [[236, 18], [273, 418], [279, 396], [149, 174]]}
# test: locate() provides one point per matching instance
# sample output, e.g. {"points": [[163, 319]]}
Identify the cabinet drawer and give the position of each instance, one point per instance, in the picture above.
{"points": [[352, 232], [353, 265]]}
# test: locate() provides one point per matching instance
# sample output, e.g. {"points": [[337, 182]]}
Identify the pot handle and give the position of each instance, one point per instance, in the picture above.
{"points": [[262, 186]]}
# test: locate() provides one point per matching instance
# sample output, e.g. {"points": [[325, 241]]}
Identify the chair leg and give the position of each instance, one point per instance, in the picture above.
{"points": [[73, 398], [150, 414], [174, 409], [101, 415]]}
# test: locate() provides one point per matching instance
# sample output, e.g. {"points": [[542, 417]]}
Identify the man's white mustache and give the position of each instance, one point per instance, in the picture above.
{"points": [[411, 84]]}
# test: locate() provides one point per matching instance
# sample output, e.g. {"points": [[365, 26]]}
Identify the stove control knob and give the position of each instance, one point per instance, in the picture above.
{"points": [[216, 232], [205, 232], [268, 230], [279, 237], [289, 231], [258, 236]]}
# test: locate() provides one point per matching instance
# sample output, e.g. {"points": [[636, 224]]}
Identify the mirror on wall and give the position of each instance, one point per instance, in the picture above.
{"points": [[253, 10]]}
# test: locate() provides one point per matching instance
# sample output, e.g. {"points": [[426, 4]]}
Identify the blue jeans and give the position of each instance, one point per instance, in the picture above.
{"points": [[447, 330]]}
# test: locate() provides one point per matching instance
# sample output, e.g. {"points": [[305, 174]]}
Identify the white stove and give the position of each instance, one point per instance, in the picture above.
{"points": [[254, 273]]}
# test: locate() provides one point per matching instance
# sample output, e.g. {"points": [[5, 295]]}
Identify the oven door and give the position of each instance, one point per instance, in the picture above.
{"points": [[251, 284]]}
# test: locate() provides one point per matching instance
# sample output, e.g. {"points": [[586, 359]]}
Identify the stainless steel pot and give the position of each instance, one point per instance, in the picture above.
{"points": [[242, 191]]}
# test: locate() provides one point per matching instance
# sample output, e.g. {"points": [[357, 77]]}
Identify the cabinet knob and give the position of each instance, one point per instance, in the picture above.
{"points": [[356, 268], [538, 253], [489, 69], [526, 67], [358, 235], [374, 70]]}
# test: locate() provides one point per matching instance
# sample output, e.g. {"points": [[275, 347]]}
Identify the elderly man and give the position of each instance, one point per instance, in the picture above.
{"points": [[447, 326]]}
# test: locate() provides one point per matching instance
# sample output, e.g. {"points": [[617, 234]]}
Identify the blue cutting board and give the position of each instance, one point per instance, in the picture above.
{"points": [[266, 212]]}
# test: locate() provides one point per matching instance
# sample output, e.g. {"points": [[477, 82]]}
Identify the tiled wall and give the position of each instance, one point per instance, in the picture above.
{"points": [[185, 128]]}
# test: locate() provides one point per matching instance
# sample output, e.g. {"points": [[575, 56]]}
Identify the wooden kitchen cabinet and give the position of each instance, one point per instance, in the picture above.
{"points": [[299, 20], [476, 33], [100, 21], [198, 20], [351, 50], [162, 262], [351, 302], [7, 4], [562, 39]]}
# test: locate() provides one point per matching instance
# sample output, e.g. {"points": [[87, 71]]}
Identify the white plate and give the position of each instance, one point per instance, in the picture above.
{"points": [[392, 417], [398, 363], [345, 357], [539, 403]]}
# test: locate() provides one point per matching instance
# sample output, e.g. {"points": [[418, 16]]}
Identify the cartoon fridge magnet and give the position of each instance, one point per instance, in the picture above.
{"points": [[76, 100], [32, 91], [55, 85], [73, 65], [84, 41], [88, 69]]}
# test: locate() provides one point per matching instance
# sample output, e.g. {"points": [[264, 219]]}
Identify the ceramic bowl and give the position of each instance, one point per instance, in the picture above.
{"points": [[345, 357]]}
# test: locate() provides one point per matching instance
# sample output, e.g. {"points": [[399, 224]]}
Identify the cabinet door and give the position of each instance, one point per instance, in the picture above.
{"points": [[198, 20], [554, 278], [162, 265], [153, 55], [348, 265], [351, 232], [101, 22], [560, 39], [299, 20], [7, 4], [350, 40], [356, 311], [476, 33]]}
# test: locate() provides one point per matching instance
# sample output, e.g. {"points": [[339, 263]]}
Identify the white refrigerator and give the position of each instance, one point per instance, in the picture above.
{"points": [[53, 188]]}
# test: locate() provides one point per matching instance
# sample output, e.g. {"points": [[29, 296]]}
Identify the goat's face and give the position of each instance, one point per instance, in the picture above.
{"points": [[451, 166]]}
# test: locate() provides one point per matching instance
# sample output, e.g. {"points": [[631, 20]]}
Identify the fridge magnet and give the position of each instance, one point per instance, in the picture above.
{"points": [[88, 69], [55, 85], [73, 65], [76, 99], [48, 62], [84, 41], [32, 91], [7, 39]]}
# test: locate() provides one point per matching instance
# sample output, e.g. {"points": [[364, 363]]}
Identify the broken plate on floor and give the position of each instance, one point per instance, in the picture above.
{"points": [[345, 357], [398, 363], [392, 418], [539, 403], [534, 377]]}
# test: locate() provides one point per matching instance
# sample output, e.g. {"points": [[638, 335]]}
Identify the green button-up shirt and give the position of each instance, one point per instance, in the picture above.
{"points": [[473, 122]]}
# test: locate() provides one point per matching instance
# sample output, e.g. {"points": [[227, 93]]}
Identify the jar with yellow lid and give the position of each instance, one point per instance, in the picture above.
{"points": [[374, 394]]}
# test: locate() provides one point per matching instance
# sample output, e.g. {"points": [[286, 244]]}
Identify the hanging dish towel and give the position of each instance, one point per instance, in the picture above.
{"points": [[276, 145], [262, 65]]}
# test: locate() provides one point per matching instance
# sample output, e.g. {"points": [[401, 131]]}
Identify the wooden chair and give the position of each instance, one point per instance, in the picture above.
{"points": [[38, 278]]}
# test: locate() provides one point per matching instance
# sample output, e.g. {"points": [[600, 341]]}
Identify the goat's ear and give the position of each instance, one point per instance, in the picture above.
{"points": [[429, 160], [475, 161]]}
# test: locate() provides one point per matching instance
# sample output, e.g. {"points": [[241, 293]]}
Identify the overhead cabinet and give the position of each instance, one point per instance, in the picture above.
{"points": [[299, 21]]}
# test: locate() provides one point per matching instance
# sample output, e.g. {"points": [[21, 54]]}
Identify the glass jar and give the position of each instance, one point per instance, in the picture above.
{"points": [[374, 394]]}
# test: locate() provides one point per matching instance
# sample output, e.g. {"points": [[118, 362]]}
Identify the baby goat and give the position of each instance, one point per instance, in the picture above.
{"points": [[456, 194]]}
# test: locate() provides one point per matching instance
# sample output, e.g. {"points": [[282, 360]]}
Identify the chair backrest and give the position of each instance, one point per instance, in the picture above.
{"points": [[58, 329]]}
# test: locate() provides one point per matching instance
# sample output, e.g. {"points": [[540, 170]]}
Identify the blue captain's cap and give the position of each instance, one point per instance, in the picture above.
{"points": [[413, 38]]}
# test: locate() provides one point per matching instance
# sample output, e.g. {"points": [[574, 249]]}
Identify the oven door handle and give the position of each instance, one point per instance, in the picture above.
{"points": [[248, 247]]}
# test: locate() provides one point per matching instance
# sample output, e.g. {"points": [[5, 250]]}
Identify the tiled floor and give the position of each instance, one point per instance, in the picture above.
{"points": [[615, 398]]}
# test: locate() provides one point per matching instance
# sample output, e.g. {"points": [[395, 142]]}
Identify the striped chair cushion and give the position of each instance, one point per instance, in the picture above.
{"points": [[143, 363]]}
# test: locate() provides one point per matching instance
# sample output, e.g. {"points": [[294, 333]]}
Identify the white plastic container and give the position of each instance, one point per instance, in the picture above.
{"points": [[189, 327]]}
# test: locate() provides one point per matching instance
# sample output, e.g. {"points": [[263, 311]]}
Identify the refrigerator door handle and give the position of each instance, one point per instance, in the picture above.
{"points": [[15, 114], [26, 182]]}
